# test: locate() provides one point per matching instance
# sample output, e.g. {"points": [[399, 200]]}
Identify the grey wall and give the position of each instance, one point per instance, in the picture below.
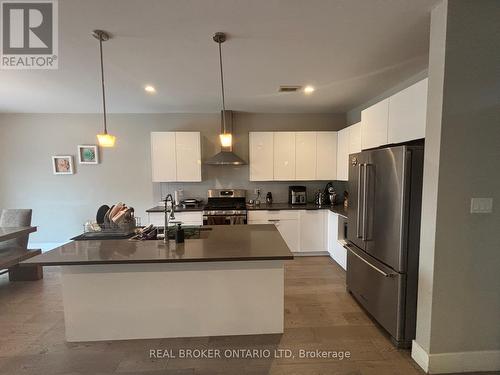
{"points": [[62, 203], [354, 115], [459, 292]]}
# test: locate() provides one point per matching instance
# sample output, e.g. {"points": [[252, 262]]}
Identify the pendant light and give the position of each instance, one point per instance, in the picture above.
{"points": [[104, 139], [226, 138], [226, 156]]}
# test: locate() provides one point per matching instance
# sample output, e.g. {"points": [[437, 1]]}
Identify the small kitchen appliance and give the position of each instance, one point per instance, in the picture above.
{"points": [[269, 198], [297, 195]]}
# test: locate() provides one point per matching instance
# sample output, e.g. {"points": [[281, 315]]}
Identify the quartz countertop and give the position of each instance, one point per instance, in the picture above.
{"points": [[216, 244], [338, 208], [199, 207]]}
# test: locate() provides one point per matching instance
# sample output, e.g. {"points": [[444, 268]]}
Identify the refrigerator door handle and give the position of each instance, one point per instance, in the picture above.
{"points": [[358, 213], [385, 274], [365, 201]]}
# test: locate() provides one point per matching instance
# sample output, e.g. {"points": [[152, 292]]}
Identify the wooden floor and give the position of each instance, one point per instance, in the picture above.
{"points": [[319, 314]]}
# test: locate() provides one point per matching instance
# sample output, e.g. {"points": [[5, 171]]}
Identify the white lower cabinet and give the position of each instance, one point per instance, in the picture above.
{"points": [[186, 218], [313, 230], [286, 221], [337, 251], [304, 231]]}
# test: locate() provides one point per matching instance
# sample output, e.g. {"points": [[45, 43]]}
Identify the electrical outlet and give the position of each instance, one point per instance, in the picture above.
{"points": [[481, 205], [257, 191]]}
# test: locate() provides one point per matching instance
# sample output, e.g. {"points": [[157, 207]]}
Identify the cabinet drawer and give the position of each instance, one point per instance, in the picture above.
{"points": [[265, 215], [377, 288]]}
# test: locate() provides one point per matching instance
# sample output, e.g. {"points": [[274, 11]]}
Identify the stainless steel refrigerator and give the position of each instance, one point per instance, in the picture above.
{"points": [[385, 198]]}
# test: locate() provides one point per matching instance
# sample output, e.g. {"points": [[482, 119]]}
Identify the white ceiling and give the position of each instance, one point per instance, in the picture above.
{"points": [[350, 50]]}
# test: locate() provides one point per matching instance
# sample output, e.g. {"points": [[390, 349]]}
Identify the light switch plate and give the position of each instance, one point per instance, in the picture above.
{"points": [[481, 205]]}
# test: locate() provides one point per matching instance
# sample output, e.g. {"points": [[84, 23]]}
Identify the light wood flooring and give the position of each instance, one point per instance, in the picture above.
{"points": [[319, 314]]}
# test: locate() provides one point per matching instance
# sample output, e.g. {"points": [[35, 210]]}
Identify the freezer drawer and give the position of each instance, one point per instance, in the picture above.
{"points": [[378, 289]]}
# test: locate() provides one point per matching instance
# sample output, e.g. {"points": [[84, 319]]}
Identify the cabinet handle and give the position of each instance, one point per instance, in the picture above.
{"points": [[358, 210], [273, 220]]}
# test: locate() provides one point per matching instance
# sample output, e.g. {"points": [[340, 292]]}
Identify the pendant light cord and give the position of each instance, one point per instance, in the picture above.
{"points": [[102, 84], [222, 86]]}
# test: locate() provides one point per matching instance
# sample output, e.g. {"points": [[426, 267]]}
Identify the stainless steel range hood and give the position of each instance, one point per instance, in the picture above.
{"points": [[226, 155]]}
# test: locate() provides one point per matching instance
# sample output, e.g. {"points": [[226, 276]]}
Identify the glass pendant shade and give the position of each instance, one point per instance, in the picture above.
{"points": [[106, 140], [226, 139]]}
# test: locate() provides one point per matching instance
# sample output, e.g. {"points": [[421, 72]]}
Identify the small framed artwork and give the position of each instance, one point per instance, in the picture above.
{"points": [[62, 164], [88, 154]]}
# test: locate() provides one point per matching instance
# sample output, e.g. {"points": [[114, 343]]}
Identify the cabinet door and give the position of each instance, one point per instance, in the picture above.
{"points": [[289, 230], [188, 156], [374, 125], [163, 157], [189, 218], [407, 113], [305, 156], [313, 236], [284, 156], [156, 218], [342, 154], [261, 156], [355, 138], [326, 156]]}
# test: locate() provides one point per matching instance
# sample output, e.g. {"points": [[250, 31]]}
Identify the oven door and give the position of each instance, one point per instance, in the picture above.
{"points": [[224, 219]]}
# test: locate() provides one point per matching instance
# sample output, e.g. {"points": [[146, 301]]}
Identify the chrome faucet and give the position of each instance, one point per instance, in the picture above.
{"points": [[169, 215]]}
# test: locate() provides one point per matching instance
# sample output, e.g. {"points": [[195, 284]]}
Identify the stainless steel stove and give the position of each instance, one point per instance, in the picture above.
{"points": [[225, 207]]}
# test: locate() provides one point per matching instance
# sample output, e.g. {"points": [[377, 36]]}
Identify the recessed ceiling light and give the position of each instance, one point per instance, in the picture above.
{"points": [[289, 88], [308, 90], [150, 89]]}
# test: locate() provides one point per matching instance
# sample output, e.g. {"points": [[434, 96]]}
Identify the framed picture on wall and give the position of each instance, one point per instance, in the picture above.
{"points": [[88, 154], [62, 164]]}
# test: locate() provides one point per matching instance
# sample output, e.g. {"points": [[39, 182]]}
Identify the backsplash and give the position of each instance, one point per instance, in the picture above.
{"points": [[218, 177]]}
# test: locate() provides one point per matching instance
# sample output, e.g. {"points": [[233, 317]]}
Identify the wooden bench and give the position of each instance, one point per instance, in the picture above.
{"points": [[10, 259]]}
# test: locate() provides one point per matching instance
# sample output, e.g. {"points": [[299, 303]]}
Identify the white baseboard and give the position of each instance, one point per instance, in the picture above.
{"points": [[311, 254], [420, 356], [442, 363]]}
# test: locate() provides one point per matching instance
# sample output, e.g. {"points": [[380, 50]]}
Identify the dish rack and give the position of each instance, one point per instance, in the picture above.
{"points": [[107, 229]]}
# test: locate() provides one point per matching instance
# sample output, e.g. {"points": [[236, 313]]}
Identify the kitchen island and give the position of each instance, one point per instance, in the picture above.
{"points": [[230, 281]]}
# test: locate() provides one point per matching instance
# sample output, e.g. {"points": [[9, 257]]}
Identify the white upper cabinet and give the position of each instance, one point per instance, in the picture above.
{"points": [[293, 156], [284, 156], [407, 113], [355, 138], [374, 125], [305, 155], [326, 156], [342, 154], [188, 156], [163, 158], [175, 156], [261, 156]]}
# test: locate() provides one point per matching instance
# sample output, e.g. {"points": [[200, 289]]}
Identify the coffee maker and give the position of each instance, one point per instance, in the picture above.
{"points": [[297, 195]]}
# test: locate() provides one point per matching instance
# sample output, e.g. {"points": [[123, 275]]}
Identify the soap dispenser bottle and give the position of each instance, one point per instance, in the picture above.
{"points": [[179, 234]]}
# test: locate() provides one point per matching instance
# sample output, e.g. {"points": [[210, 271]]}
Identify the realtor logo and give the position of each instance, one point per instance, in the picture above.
{"points": [[29, 35]]}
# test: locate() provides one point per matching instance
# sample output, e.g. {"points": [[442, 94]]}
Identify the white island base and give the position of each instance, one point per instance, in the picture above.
{"points": [[163, 300]]}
